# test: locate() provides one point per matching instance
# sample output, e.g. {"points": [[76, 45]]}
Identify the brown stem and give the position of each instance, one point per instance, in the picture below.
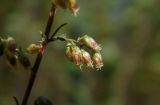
{"points": [[39, 58]]}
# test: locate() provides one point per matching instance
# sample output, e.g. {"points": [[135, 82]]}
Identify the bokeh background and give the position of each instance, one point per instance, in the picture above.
{"points": [[128, 31]]}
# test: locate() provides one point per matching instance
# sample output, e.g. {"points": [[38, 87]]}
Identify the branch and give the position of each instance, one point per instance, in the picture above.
{"points": [[50, 21], [39, 57]]}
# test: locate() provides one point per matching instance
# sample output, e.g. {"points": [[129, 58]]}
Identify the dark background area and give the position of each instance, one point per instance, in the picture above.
{"points": [[128, 31]]}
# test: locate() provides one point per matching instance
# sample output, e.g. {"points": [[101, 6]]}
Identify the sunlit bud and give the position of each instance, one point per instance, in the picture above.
{"points": [[33, 48], [87, 58], [23, 59], [90, 42], [69, 51], [2, 46], [67, 4], [73, 7], [77, 55], [11, 44], [97, 59], [11, 59]]}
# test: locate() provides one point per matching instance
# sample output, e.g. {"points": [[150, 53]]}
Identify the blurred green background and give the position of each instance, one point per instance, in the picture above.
{"points": [[128, 31]]}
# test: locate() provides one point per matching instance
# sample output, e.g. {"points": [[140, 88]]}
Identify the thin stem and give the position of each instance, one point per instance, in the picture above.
{"points": [[39, 57], [65, 39], [16, 100], [56, 31]]}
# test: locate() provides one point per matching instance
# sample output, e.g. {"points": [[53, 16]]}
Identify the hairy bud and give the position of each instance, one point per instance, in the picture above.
{"points": [[33, 48], [90, 42], [69, 52], [87, 58], [97, 59], [77, 55], [73, 53], [73, 7], [67, 4]]}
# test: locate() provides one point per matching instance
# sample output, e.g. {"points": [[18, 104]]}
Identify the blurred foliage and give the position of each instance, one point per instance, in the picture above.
{"points": [[129, 33]]}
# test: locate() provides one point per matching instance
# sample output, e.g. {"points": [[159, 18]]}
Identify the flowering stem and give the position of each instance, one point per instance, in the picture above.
{"points": [[39, 57]]}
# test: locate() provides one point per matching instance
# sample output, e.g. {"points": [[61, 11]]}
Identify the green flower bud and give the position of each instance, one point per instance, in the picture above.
{"points": [[33, 48], [97, 59], [90, 42]]}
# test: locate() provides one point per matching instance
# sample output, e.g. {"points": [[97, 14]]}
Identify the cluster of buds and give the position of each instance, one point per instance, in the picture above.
{"points": [[80, 56], [8, 48], [67, 4]]}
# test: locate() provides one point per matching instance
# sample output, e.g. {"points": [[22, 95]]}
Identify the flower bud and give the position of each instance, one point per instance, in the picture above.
{"points": [[73, 7], [67, 4], [97, 59], [23, 59], [73, 53], [33, 48], [90, 42], [11, 44], [77, 56], [69, 52], [87, 58]]}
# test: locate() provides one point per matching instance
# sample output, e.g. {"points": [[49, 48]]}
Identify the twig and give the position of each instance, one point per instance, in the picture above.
{"points": [[57, 30]]}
